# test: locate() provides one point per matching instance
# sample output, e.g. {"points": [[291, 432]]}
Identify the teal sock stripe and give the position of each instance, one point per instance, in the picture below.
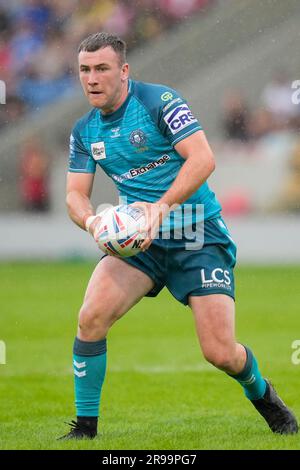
{"points": [[250, 378], [89, 361]]}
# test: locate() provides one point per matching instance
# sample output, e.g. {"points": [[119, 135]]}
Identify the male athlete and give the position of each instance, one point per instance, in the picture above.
{"points": [[131, 125]]}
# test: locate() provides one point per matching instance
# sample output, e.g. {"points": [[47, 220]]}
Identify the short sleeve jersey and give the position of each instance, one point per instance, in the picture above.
{"points": [[135, 145]]}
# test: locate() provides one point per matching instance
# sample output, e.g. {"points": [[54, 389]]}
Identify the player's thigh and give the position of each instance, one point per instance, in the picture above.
{"points": [[115, 286], [215, 321]]}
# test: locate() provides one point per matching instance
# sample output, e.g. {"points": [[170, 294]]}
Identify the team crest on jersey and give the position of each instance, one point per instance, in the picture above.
{"points": [[98, 150], [138, 138]]}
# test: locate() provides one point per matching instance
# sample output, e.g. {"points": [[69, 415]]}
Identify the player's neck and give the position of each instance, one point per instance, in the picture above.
{"points": [[119, 101]]}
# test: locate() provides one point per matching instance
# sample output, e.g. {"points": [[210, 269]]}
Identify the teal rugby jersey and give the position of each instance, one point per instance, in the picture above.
{"points": [[135, 145]]}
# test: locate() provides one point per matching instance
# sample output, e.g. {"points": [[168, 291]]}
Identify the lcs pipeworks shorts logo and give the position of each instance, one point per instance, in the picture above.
{"points": [[218, 277]]}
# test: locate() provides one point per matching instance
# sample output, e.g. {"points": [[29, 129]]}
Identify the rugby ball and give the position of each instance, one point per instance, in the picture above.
{"points": [[119, 231]]}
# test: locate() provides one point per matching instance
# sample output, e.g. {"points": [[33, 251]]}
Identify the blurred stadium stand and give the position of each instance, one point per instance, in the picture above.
{"points": [[233, 46]]}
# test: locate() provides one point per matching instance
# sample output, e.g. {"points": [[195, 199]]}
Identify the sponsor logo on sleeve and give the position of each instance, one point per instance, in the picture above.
{"points": [[179, 118], [167, 96], [98, 151], [168, 106]]}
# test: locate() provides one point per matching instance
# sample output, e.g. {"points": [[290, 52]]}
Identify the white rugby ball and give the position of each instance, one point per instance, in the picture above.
{"points": [[118, 233]]}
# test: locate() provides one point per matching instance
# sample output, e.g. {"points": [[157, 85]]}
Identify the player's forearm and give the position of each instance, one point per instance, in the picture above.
{"points": [[193, 174], [79, 208]]}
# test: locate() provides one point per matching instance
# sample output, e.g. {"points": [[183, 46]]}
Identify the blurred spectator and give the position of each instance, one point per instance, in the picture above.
{"points": [[24, 44], [121, 19], [291, 194], [236, 117], [34, 177], [180, 9], [39, 38], [58, 60], [236, 203], [5, 52], [5, 60], [38, 13], [5, 23], [47, 76], [261, 123], [88, 17], [277, 113], [149, 22], [277, 99], [14, 109]]}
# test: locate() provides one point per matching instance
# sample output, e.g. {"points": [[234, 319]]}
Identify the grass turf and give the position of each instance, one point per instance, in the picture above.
{"points": [[159, 393]]}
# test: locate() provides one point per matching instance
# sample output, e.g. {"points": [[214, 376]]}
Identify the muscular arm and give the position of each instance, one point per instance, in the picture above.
{"points": [[79, 188], [194, 172]]}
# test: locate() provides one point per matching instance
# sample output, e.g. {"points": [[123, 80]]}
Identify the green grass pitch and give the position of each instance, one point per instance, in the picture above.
{"points": [[159, 392]]}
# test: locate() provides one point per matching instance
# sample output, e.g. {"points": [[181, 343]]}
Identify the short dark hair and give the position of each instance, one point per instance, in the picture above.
{"points": [[97, 41]]}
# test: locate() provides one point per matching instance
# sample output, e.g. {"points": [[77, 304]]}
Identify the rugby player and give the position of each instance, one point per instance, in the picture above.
{"points": [[145, 137]]}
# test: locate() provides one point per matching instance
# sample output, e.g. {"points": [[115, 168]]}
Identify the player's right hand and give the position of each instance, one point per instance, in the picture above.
{"points": [[93, 224]]}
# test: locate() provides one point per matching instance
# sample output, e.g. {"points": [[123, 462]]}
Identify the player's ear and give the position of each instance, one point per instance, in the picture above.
{"points": [[125, 72]]}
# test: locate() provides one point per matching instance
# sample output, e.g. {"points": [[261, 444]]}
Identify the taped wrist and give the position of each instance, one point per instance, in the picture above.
{"points": [[88, 220]]}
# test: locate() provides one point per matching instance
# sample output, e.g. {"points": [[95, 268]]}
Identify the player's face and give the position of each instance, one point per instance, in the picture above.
{"points": [[103, 79]]}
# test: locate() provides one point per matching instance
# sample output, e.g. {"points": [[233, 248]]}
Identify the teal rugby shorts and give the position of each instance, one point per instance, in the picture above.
{"points": [[205, 269]]}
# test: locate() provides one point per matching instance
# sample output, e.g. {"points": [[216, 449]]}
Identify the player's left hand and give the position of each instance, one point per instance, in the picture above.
{"points": [[154, 213]]}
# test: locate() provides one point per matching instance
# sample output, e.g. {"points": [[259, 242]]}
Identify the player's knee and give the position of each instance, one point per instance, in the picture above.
{"points": [[95, 319], [222, 358]]}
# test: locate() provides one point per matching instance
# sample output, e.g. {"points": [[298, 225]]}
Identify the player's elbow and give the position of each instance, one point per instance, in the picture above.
{"points": [[210, 163]]}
